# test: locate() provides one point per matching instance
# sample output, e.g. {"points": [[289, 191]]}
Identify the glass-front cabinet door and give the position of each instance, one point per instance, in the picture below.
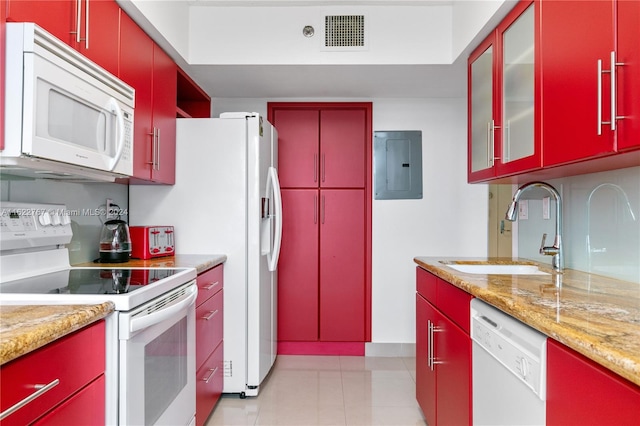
{"points": [[518, 85], [504, 101], [520, 76], [482, 110]]}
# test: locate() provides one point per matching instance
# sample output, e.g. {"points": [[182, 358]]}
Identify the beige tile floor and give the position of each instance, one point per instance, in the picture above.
{"points": [[328, 390]]}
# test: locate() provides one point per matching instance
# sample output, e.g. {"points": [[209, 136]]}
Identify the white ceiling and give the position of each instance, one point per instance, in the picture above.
{"points": [[331, 81], [326, 81]]}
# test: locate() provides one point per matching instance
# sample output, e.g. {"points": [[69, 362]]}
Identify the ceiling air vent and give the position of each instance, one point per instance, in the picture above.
{"points": [[344, 31]]}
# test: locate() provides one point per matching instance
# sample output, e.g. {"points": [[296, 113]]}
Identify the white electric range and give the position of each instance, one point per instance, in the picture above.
{"points": [[154, 309]]}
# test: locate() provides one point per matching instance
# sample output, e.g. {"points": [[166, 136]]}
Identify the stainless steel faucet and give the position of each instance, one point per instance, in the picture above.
{"points": [[556, 249]]}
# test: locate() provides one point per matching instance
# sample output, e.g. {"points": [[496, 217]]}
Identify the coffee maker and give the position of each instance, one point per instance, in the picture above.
{"points": [[115, 241]]}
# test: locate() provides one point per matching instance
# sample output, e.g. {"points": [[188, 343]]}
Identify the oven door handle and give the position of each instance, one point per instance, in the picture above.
{"points": [[137, 324]]}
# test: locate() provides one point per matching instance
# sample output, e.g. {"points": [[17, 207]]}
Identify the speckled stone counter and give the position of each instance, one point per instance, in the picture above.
{"points": [[201, 262], [596, 316], [24, 328]]}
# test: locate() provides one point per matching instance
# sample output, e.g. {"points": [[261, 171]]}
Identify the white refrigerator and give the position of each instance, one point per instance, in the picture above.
{"points": [[226, 200]]}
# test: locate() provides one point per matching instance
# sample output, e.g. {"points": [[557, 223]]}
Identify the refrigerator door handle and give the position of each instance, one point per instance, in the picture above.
{"points": [[273, 184]]}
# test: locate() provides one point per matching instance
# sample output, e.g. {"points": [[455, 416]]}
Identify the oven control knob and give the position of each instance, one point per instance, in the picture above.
{"points": [[65, 219], [55, 219], [44, 219]]}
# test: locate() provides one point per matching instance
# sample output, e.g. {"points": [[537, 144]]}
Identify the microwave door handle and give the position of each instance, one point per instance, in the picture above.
{"points": [[115, 108]]}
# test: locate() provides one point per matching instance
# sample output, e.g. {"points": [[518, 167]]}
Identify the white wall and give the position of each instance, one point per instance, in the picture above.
{"points": [[451, 219]]}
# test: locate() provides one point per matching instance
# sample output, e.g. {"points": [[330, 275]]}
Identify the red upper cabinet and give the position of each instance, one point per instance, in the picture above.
{"points": [[59, 17], [153, 75], [89, 26], [628, 75], [577, 36], [562, 91], [504, 102], [164, 116]]}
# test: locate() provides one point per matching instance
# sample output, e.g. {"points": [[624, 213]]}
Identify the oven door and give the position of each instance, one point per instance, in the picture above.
{"points": [[157, 360]]}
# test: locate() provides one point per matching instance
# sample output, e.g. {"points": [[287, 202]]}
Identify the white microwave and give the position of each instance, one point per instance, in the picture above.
{"points": [[65, 116]]}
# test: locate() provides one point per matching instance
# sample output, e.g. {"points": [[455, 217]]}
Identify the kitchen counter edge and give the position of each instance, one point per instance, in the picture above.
{"points": [[596, 316], [201, 262], [25, 328]]}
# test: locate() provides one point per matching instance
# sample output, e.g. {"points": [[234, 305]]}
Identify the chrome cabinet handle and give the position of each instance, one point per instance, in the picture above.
{"points": [[213, 372], [322, 210], [86, 26], [78, 13], [315, 209], [614, 92], [210, 286], [315, 167], [211, 315], [431, 359], [154, 148], [599, 113], [158, 151], [42, 389], [323, 167]]}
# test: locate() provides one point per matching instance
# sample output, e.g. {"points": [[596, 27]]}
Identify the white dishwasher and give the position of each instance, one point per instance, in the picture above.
{"points": [[509, 362]]}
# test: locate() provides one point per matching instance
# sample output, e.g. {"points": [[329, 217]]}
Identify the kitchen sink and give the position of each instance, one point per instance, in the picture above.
{"points": [[499, 269]]}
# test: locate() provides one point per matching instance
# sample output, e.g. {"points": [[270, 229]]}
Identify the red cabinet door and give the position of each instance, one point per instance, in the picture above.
{"points": [[100, 33], [570, 51], [483, 111], [298, 266], [342, 270], [83, 408], [56, 16], [452, 349], [298, 133], [628, 75], [581, 392], [97, 21], [425, 375], [342, 148], [165, 73], [136, 69]]}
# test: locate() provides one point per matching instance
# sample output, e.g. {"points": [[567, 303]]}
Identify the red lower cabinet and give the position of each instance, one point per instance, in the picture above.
{"points": [[209, 383], [581, 392], [73, 368], [443, 351], [209, 342]]}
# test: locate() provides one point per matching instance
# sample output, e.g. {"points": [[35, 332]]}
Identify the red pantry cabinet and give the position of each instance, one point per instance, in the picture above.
{"points": [[323, 278], [581, 392], [89, 26], [152, 73]]}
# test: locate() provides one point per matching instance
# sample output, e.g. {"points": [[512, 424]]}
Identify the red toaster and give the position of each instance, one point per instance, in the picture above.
{"points": [[152, 241]]}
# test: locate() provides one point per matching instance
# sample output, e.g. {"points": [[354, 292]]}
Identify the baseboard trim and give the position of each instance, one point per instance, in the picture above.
{"points": [[407, 350], [321, 348]]}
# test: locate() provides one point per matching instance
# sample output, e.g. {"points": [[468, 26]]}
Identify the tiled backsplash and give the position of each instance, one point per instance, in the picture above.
{"points": [[601, 224], [87, 199]]}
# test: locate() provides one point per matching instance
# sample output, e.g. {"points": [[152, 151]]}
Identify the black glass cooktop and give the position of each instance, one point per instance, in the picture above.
{"points": [[88, 281]]}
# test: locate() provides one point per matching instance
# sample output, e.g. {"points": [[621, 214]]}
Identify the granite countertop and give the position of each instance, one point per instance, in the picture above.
{"points": [[596, 316], [24, 328], [201, 262]]}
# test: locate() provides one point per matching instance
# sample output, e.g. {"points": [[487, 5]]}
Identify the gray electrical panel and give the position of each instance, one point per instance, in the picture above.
{"points": [[397, 162]]}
